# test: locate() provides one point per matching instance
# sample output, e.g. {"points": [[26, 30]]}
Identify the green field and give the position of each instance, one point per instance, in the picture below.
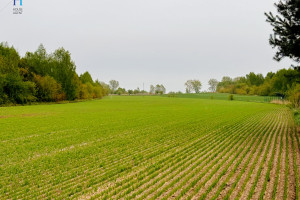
{"points": [[134, 147], [224, 96]]}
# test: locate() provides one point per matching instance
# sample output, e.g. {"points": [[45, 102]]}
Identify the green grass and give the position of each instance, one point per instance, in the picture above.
{"points": [[297, 116], [225, 96], [138, 147]]}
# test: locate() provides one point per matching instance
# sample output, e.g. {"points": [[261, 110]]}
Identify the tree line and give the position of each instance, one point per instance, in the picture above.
{"points": [[115, 89], [284, 83], [43, 77], [280, 83]]}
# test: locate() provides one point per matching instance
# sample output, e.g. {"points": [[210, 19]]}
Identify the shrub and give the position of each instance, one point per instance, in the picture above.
{"points": [[48, 89], [98, 91], [3, 99], [171, 94], [18, 91], [294, 96], [230, 97], [297, 116]]}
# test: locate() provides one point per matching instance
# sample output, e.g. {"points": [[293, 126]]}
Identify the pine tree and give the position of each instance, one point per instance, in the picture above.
{"points": [[286, 27]]}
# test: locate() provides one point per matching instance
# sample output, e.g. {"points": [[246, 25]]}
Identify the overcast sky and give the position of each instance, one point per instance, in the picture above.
{"points": [[148, 41]]}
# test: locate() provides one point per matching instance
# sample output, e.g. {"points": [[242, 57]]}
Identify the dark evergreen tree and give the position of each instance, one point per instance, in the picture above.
{"points": [[286, 27]]}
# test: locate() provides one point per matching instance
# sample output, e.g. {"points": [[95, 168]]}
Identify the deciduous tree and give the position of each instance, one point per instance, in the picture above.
{"points": [[113, 85], [213, 84]]}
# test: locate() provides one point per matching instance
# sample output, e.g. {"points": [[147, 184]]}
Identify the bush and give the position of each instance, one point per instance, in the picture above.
{"points": [[97, 92], [18, 91], [48, 89], [90, 90], [3, 99], [171, 94], [297, 116], [294, 96], [230, 97]]}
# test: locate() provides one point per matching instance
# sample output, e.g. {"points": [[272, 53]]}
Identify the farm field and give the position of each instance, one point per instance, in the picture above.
{"points": [[134, 147], [224, 96]]}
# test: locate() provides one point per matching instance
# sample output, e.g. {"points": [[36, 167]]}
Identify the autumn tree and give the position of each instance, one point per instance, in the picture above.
{"points": [[48, 89]]}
